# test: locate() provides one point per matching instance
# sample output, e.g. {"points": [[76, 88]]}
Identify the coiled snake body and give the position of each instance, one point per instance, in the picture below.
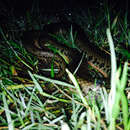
{"points": [[46, 43]]}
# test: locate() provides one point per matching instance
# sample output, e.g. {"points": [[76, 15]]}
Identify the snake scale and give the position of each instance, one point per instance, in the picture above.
{"points": [[43, 43]]}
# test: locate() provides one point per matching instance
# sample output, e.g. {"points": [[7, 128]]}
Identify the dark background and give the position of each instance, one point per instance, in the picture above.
{"points": [[21, 6]]}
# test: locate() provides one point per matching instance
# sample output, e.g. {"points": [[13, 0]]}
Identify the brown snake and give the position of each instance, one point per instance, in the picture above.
{"points": [[38, 43]]}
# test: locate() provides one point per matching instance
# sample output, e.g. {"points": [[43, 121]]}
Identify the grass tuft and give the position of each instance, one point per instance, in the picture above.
{"points": [[33, 101]]}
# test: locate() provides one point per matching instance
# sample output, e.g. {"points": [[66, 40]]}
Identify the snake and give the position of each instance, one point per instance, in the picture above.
{"points": [[71, 41]]}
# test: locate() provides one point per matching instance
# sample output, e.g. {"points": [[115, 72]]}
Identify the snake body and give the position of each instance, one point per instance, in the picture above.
{"points": [[37, 42]]}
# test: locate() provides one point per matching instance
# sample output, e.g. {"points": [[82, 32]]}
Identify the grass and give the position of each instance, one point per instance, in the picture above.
{"points": [[39, 102]]}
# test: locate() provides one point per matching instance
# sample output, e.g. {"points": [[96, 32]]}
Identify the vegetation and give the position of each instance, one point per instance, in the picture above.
{"points": [[37, 102]]}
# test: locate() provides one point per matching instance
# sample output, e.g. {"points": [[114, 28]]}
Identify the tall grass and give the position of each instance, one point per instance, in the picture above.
{"points": [[44, 103]]}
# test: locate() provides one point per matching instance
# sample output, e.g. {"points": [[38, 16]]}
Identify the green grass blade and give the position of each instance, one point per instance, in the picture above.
{"points": [[73, 79], [7, 112]]}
